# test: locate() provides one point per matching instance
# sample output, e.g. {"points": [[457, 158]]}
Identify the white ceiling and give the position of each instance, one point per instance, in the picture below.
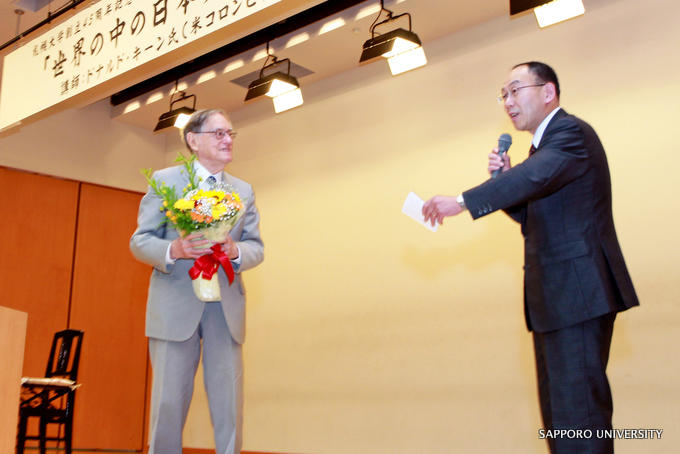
{"points": [[325, 53]]}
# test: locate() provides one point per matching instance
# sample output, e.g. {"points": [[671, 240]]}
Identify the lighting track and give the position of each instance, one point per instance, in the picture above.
{"points": [[258, 38]]}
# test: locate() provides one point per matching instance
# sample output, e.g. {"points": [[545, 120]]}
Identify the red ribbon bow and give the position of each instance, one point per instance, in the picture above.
{"points": [[209, 263]]}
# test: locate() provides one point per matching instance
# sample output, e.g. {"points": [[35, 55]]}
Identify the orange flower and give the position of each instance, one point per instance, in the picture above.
{"points": [[201, 218]]}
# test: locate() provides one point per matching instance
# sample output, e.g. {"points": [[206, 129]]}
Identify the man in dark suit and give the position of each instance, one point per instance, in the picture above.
{"points": [[575, 278]]}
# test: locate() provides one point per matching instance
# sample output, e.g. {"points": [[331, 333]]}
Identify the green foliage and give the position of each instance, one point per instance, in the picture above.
{"points": [[178, 218]]}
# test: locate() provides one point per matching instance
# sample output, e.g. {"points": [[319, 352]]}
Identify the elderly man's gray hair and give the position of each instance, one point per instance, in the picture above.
{"points": [[196, 122]]}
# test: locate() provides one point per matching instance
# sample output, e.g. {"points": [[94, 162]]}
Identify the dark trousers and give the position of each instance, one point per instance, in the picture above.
{"points": [[573, 389]]}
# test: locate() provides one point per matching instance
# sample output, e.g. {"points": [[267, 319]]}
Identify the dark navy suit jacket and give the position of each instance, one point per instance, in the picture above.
{"points": [[561, 195]]}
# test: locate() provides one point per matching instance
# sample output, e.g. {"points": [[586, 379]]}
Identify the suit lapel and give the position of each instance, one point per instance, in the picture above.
{"points": [[559, 114], [228, 179]]}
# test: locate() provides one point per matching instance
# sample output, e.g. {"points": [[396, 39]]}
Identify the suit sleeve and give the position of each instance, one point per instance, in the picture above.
{"points": [[250, 243], [148, 243], [517, 213], [562, 158]]}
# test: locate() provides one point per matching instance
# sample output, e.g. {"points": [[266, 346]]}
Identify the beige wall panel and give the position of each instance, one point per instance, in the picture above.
{"points": [[86, 145], [370, 334]]}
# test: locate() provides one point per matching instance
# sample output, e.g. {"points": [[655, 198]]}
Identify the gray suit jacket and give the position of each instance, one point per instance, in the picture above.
{"points": [[173, 311], [561, 195]]}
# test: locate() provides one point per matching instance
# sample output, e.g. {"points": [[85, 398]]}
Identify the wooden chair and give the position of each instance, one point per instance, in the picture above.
{"points": [[51, 399]]}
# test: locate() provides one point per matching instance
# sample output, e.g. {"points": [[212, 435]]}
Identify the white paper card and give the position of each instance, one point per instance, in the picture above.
{"points": [[413, 208]]}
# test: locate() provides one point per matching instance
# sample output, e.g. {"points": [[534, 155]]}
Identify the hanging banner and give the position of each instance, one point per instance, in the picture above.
{"points": [[103, 41]]}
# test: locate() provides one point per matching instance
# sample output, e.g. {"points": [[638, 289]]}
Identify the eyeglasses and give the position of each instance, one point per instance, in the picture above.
{"points": [[513, 92], [219, 133]]}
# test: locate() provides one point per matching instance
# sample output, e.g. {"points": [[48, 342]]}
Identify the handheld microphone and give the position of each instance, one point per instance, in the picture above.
{"points": [[504, 142]]}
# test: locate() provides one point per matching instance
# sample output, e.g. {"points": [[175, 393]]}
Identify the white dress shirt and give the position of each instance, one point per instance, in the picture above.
{"points": [[541, 128]]}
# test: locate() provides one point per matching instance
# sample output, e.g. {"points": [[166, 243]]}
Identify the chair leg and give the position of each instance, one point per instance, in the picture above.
{"points": [[21, 433], [68, 434], [43, 434]]}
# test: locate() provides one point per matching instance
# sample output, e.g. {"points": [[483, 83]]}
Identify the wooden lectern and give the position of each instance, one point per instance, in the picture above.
{"points": [[12, 341]]}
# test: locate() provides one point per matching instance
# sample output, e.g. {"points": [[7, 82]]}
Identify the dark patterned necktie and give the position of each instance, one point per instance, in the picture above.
{"points": [[532, 150], [211, 180]]}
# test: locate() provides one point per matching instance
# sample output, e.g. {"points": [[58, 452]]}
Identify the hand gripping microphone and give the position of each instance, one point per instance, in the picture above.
{"points": [[504, 142]]}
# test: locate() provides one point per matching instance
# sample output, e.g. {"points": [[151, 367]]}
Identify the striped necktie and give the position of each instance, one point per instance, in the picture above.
{"points": [[532, 150]]}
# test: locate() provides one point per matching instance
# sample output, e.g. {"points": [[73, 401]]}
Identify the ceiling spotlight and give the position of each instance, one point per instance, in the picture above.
{"points": [[283, 88], [549, 12], [402, 48], [558, 11], [519, 6], [176, 117]]}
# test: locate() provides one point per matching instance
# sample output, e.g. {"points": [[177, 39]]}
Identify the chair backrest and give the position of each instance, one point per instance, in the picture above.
{"points": [[66, 344]]}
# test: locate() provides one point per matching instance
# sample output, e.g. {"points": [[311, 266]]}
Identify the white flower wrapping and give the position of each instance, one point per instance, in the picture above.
{"points": [[209, 289]]}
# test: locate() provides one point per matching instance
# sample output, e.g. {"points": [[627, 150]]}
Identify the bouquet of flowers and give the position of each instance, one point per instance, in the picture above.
{"points": [[211, 213]]}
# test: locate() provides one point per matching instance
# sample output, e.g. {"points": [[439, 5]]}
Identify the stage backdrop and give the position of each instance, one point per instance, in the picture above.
{"points": [[369, 334]]}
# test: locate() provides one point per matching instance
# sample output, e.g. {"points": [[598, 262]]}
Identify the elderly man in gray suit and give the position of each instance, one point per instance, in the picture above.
{"points": [[178, 324]]}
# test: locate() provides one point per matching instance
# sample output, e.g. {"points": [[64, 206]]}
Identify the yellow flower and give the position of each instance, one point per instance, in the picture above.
{"points": [[236, 196], [165, 203], [218, 211], [168, 213], [184, 204], [201, 194]]}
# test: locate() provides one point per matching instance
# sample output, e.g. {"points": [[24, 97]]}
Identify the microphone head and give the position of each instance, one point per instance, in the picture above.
{"points": [[504, 142]]}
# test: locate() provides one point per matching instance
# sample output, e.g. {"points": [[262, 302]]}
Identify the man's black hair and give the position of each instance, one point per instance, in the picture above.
{"points": [[543, 72]]}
